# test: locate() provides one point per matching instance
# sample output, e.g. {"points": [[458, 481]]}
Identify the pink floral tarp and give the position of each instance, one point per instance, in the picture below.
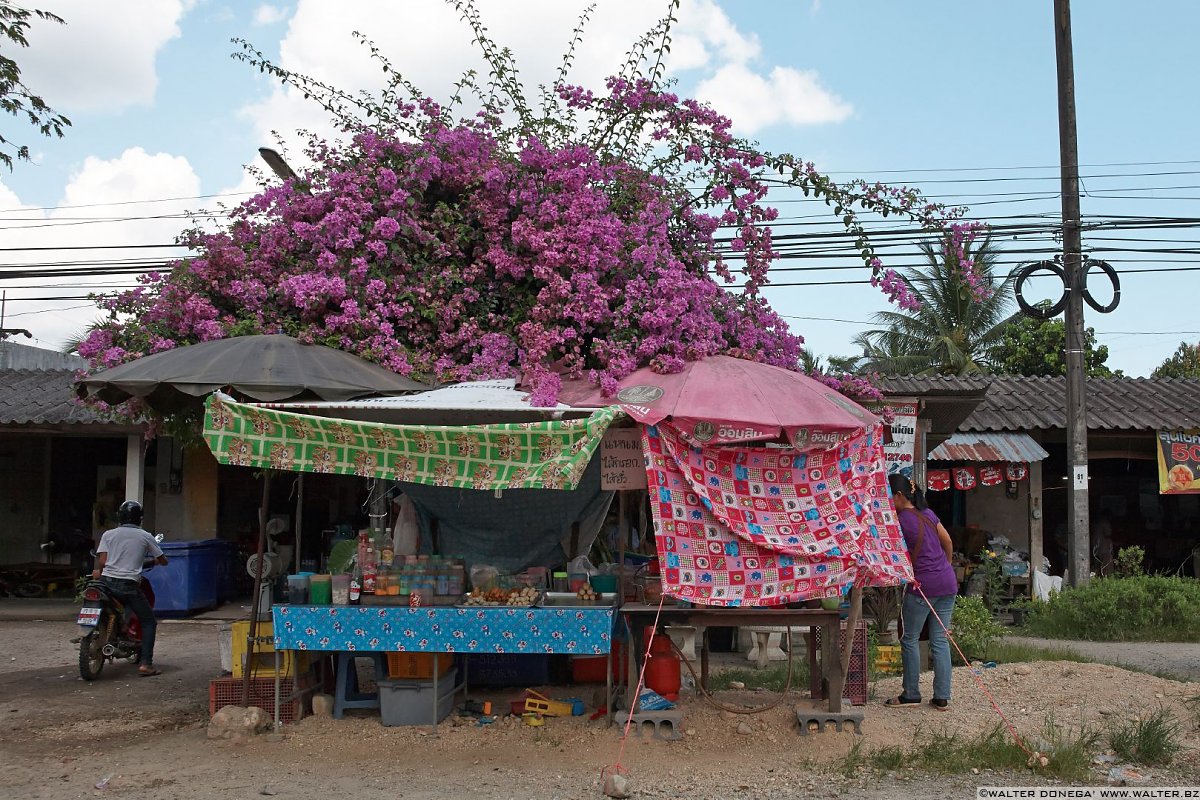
{"points": [[764, 526]]}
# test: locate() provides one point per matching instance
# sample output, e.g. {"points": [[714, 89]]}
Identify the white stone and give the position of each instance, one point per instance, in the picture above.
{"points": [[322, 705], [234, 721]]}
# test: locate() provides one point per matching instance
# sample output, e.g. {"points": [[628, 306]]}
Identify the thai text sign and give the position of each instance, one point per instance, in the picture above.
{"points": [[1178, 462], [622, 465], [899, 454]]}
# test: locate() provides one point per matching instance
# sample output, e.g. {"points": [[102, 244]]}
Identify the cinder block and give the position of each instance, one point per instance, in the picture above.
{"points": [[823, 718], [668, 724]]}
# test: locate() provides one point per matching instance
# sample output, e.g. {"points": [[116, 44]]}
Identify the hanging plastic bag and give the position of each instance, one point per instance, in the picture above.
{"points": [[582, 566], [406, 536]]}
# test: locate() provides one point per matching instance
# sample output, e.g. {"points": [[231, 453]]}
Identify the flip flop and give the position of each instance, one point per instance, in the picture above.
{"points": [[148, 673], [901, 700]]}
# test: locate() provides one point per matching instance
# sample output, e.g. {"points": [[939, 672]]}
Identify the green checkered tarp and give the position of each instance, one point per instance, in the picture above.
{"points": [[528, 455]]}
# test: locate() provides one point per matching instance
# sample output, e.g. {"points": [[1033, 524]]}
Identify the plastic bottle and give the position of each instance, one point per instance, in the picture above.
{"points": [[369, 568], [356, 582]]}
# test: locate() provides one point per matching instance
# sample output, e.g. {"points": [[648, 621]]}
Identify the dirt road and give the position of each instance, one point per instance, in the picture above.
{"points": [[1176, 659], [60, 736]]}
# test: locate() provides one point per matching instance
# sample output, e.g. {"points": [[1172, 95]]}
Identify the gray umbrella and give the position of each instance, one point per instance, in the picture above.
{"points": [[265, 367]]}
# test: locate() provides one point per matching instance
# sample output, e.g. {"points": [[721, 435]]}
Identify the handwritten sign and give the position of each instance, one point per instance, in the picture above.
{"points": [[622, 465]]}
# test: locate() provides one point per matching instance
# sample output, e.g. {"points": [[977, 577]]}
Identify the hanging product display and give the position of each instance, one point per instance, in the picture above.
{"points": [[964, 478], [938, 480], [760, 526], [1016, 471], [529, 455], [991, 475]]}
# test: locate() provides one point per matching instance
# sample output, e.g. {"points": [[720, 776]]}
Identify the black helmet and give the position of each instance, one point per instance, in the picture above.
{"points": [[130, 513]]}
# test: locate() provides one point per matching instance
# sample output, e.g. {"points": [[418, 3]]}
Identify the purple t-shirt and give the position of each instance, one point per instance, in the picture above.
{"points": [[933, 571]]}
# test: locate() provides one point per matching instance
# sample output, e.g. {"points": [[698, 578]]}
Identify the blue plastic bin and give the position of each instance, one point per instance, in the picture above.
{"points": [[190, 580]]}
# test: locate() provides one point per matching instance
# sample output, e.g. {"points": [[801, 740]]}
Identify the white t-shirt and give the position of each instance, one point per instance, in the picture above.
{"points": [[128, 546]]}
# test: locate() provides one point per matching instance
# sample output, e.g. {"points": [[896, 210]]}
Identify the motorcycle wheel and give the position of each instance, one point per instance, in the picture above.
{"points": [[91, 653]]}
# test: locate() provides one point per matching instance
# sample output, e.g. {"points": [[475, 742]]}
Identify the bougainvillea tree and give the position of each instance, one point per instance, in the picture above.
{"points": [[593, 235]]}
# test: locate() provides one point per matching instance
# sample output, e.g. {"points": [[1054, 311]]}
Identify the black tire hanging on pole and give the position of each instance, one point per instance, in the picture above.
{"points": [[1107, 269], [1027, 271]]}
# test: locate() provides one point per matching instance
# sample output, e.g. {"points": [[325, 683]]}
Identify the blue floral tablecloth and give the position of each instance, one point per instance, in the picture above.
{"points": [[485, 629]]}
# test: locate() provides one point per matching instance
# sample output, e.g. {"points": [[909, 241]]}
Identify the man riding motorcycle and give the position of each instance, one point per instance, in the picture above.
{"points": [[119, 560]]}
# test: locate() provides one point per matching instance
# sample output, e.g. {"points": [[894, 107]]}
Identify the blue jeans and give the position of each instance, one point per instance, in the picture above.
{"points": [[130, 593], [914, 613]]}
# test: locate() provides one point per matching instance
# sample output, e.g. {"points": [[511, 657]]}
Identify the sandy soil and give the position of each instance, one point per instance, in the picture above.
{"points": [[60, 736]]}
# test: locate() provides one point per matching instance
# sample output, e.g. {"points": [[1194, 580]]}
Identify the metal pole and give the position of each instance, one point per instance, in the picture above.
{"points": [[1077, 450], [252, 631], [299, 517]]}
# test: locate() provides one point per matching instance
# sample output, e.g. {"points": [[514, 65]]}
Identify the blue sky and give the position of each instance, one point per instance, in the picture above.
{"points": [[958, 98]]}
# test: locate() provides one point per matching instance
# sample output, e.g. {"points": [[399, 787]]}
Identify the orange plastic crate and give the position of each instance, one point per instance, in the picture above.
{"points": [[417, 665]]}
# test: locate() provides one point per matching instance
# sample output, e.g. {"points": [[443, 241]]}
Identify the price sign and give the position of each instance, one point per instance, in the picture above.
{"points": [[622, 465]]}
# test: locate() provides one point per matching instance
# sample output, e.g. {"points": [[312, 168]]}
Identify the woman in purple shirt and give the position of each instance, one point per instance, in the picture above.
{"points": [[930, 549]]}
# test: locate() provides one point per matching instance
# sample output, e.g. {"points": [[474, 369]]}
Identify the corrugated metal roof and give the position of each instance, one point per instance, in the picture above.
{"points": [[989, 447], [43, 397], [941, 385]]}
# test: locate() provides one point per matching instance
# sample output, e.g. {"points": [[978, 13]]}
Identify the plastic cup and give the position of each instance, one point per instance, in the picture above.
{"points": [[320, 590], [297, 589], [340, 590]]}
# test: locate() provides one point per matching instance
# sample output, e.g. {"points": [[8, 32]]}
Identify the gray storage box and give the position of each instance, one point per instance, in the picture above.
{"points": [[409, 701]]}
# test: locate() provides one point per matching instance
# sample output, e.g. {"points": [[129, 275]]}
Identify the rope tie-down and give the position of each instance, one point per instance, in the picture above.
{"points": [[1035, 758]]}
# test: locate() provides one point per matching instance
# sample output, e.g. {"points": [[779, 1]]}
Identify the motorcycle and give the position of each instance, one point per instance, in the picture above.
{"points": [[110, 630]]}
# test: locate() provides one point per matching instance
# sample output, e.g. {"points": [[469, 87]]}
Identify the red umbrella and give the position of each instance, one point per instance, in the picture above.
{"points": [[724, 400]]}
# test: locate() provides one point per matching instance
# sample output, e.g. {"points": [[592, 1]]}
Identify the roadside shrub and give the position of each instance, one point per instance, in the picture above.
{"points": [[1128, 563], [974, 627], [1141, 608]]}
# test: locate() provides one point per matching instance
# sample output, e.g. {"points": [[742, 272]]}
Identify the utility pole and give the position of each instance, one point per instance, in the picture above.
{"points": [[1076, 280]]}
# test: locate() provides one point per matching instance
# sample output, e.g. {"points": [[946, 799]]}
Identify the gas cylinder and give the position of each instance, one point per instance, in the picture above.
{"points": [[662, 667]]}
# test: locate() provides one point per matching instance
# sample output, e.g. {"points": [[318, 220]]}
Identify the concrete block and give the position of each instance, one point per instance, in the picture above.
{"points": [[667, 725], [822, 718]]}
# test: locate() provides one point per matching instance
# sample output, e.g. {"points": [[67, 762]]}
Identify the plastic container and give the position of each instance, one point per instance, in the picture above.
{"points": [[561, 583], [297, 590], [189, 582], [604, 584], [340, 590], [320, 590], [577, 581], [410, 702]]}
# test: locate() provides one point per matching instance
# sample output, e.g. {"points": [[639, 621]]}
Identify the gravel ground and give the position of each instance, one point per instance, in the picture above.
{"points": [[60, 736], [1177, 659]]}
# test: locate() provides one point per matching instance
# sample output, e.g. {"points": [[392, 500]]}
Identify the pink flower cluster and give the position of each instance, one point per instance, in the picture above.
{"points": [[463, 250]]}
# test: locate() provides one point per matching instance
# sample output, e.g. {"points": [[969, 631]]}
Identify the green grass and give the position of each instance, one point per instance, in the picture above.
{"points": [[1150, 740], [1006, 652], [773, 678], [1068, 752]]}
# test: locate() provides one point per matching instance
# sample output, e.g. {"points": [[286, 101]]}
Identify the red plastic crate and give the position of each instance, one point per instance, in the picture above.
{"points": [[856, 675], [228, 692]]}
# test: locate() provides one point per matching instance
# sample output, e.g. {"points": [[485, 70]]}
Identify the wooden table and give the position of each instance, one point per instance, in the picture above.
{"points": [[639, 616]]}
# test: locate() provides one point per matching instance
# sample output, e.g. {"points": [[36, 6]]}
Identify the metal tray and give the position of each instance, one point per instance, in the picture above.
{"points": [[571, 600]]}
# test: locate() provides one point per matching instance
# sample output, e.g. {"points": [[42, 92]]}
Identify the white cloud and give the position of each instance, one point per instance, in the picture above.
{"points": [[94, 211], [267, 14], [427, 42], [787, 95], [103, 58]]}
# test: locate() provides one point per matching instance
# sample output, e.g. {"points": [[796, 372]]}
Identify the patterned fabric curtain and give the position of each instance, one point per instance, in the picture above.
{"points": [[528, 455], [763, 526]]}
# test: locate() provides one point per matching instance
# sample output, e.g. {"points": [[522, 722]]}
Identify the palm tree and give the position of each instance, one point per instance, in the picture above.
{"points": [[952, 333]]}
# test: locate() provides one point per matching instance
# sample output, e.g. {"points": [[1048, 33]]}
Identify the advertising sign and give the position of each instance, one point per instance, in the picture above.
{"points": [[901, 451], [1179, 462], [622, 465]]}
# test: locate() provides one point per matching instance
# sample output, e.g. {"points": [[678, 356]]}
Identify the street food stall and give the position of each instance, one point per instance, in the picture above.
{"points": [[743, 533]]}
